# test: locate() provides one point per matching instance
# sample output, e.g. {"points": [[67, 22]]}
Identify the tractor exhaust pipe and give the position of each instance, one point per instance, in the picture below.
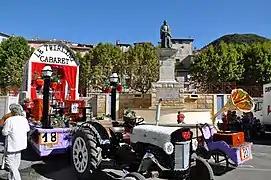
{"points": [[157, 113]]}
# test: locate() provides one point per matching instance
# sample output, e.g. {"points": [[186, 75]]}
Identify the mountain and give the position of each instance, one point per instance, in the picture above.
{"points": [[239, 39]]}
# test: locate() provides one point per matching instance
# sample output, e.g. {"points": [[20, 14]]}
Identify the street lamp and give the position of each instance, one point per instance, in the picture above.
{"points": [[46, 75], [113, 82]]}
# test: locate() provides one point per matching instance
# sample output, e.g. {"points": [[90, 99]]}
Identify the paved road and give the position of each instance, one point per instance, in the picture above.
{"points": [[58, 167]]}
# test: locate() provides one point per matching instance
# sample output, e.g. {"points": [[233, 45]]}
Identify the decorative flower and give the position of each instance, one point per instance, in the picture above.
{"points": [[107, 89], [26, 100], [119, 88], [39, 82], [53, 85]]}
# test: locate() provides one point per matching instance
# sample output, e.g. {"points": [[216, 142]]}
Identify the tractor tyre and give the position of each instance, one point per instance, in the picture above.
{"points": [[86, 154], [202, 169], [134, 176]]}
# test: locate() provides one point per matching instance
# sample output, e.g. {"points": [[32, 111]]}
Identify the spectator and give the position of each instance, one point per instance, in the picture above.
{"points": [[15, 129], [247, 120], [180, 117], [6, 116], [225, 122]]}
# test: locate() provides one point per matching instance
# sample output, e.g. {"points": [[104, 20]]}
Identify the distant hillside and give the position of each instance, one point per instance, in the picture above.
{"points": [[239, 39]]}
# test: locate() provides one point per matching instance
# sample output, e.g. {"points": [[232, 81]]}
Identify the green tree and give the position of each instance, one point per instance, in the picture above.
{"points": [[143, 66], [217, 64], [257, 63], [105, 58], [84, 71], [14, 53]]}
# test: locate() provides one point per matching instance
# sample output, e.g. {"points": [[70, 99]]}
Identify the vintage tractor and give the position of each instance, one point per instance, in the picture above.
{"points": [[151, 147]]}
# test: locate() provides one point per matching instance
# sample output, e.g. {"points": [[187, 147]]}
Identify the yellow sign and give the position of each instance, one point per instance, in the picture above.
{"points": [[48, 138], [245, 153]]}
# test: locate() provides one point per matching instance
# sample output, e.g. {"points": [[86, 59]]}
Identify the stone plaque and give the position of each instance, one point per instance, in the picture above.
{"points": [[166, 71], [168, 93]]}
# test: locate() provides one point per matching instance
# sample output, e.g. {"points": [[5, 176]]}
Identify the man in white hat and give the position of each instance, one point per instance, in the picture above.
{"points": [[15, 129]]}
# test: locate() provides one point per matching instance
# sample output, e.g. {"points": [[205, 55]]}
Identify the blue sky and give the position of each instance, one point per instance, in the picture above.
{"points": [[93, 21]]}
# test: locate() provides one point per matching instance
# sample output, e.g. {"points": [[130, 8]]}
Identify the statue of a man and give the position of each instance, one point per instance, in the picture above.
{"points": [[165, 35]]}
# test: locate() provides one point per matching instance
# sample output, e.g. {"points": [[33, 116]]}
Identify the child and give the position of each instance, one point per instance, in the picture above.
{"points": [[180, 118]]}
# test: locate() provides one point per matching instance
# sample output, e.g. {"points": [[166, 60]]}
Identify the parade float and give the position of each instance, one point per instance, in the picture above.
{"points": [[222, 148], [51, 76]]}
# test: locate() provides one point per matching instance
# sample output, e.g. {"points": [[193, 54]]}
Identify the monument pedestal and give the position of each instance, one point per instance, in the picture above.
{"points": [[167, 88]]}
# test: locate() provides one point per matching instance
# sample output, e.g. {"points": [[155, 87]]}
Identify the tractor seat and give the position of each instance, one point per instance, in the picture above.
{"points": [[117, 129]]}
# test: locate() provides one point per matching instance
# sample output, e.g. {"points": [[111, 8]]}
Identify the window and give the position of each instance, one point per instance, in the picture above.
{"points": [[177, 60], [258, 106]]}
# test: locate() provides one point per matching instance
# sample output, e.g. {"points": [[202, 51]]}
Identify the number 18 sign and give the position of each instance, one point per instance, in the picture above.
{"points": [[48, 138]]}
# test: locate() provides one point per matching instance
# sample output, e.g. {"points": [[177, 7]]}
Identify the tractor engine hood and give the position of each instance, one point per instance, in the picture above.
{"points": [[160, 136]]}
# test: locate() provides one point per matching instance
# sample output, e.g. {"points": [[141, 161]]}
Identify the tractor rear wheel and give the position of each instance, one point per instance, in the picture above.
{"points": [[86, 154]]}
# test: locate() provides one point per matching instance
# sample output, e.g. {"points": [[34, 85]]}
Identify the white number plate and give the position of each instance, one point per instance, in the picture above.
{"points": [[245, 153], [48, 138]]}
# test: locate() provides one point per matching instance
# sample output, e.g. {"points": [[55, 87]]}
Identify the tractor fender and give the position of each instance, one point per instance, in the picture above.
{"points": [[99, 131]]}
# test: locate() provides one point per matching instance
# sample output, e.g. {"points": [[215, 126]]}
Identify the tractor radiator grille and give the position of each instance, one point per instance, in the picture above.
{"points": [[182, 154]]}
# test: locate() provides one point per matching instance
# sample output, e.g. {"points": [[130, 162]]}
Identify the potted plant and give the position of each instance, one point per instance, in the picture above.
{"points": [[61, 121], [129, 117]]}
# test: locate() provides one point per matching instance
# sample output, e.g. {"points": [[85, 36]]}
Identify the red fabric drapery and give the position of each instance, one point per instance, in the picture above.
{"points": [[35, 67], [70, 73]]}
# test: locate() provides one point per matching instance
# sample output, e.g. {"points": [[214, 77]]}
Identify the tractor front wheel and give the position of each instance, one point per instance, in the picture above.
{"points": [[86, 154]]}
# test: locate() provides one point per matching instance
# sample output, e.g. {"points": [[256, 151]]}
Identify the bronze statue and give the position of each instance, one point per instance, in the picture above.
{"points": [[165, 36]]}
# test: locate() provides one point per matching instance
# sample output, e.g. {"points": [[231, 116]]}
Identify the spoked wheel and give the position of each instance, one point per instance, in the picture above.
{"points": [[219, 162], [86, 155], [134, 176]]}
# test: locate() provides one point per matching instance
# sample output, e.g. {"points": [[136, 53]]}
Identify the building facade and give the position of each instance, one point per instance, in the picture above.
{"points": [[184, 56], [3, 36], [82, 48]]}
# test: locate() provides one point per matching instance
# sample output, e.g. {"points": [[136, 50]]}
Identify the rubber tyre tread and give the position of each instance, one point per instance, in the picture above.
{"points": [[202, 169], [136, 175], [93, 153]]}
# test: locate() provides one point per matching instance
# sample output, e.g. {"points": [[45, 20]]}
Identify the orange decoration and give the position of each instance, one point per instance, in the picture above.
{"points": [[40, 82]]}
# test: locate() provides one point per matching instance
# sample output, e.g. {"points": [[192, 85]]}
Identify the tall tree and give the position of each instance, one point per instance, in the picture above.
{"points": [[14, 52], [84, 71], [143, 66], [217, 64], [105, 58], [257, 63]]}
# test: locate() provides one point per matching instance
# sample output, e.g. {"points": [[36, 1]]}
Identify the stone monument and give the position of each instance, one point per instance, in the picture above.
{"points": [[167, 88]]}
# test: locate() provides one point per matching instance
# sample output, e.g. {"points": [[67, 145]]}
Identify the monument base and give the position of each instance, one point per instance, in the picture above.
{"points": [[171, 94], [167, 65], [167, 88]]}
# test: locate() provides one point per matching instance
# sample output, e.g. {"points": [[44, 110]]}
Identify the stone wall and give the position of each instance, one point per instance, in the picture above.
{"points": [[177, 103], [148, 101], [133, 101], [204, 101]]}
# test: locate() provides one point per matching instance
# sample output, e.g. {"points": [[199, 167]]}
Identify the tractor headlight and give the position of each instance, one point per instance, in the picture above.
{"points": [[168, 148], [194, 144]]}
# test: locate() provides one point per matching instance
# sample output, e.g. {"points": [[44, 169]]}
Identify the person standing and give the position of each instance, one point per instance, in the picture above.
{"points": [[15, 129], [180, 118]]}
